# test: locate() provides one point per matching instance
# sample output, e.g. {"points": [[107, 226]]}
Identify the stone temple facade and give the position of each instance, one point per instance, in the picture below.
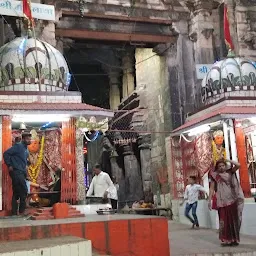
{"points": [[149, 48]]}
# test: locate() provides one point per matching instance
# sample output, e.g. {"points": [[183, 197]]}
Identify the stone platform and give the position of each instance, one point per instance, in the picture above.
{"points": [[124, 235], [59, 246]]}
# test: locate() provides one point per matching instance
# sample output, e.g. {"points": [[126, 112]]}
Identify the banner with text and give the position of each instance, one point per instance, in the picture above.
{"points": [[202, 70], [39, 11]]}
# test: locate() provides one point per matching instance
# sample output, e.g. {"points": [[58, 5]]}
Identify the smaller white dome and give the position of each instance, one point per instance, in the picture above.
{"points": [[231, 74], [27, 59]]}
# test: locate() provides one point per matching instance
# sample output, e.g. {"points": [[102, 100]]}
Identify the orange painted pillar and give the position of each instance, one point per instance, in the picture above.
{"points": [[242, 158], [68, 155], [6, 179]]}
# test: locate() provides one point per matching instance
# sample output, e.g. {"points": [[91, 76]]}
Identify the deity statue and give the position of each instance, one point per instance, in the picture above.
{"points": [[218, 150]]}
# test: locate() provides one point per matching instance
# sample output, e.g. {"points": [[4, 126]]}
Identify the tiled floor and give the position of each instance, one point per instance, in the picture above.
{"points": [[184, 241]]}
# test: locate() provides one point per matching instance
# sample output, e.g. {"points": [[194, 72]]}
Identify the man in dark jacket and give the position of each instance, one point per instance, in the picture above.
{"points": [[16, 158]]}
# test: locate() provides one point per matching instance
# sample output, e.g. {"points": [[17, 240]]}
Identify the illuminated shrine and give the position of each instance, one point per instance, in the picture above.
{"points": [[223, 128], [34, 97]]}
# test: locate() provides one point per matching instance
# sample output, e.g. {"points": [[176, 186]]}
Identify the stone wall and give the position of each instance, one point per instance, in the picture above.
{"points": [[152, 76], [246, 30]]}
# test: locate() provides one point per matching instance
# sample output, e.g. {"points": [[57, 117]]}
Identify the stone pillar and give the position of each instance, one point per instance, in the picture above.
{"points": [[201, 35], [128, 74], [118, 173], [2, 32], [201, 31], [114, 92], [145, 161], [48, 33], [133, 181], [245, 18], [80, 167]]}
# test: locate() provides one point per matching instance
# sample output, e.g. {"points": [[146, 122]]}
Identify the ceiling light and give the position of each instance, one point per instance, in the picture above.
{"points": [[27, 118]]}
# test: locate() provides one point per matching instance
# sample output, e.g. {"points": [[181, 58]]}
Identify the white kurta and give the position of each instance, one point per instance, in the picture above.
{"points": [[100, 184]]}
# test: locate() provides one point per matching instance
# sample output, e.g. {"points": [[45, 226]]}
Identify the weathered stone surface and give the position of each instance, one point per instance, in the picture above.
{"points": [[133, 181]]}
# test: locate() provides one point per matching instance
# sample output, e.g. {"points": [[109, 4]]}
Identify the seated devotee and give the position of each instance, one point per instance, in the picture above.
{"points": [[53, 196]]}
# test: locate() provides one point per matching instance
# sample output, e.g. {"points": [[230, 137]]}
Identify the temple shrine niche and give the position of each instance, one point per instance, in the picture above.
{"points": [[218, 150], [226, 126], [34, 98]]}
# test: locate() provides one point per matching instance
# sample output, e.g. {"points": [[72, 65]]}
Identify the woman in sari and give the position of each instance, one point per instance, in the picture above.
{"points": [[230, 201]]}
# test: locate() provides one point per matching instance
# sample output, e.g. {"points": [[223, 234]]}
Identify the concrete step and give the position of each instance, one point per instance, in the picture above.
{"points": [[60, 246], [47, 214]]}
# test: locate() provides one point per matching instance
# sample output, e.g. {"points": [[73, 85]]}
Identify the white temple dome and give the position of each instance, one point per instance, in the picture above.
{"points": [[19, 68], [229, 75]]}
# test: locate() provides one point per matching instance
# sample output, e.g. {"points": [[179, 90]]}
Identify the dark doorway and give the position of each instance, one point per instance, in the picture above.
{"points": [[92, 82]]}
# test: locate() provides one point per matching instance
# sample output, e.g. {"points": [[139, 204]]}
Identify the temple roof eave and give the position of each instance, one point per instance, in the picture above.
{"points": [[220, 114], [72, 109]]}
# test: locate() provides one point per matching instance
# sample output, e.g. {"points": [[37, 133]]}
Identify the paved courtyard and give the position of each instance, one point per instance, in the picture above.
{"points": [[184, 241]]}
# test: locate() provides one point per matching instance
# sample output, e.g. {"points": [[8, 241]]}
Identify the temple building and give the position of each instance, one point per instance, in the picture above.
{"points": [[146, 60], [34, 97]]}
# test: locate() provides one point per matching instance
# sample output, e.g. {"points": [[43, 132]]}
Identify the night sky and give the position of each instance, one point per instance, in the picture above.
{"points": [[94, 88]]}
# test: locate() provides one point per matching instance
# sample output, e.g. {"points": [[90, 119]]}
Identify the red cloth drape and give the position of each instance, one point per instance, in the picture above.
{"points": [[227, 35], [27, 11]]}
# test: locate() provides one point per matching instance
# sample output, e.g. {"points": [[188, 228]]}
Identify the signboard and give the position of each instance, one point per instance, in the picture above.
{"points": [[39, 11], [202, 70]]}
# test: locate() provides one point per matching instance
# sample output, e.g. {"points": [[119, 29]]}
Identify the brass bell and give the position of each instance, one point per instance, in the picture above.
{"points": [[23, 126]]}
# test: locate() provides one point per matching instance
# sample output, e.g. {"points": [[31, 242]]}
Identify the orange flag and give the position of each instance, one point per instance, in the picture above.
{"points": [[227, 35], [27, 12]]}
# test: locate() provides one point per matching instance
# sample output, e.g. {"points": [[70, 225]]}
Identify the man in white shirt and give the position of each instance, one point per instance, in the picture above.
{"points": [[191, 196], [100, 184]]}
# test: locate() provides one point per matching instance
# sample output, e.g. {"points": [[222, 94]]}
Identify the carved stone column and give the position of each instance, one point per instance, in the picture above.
{"points": [[80, 167], [145, 161], [128, 74], [48, 33], [201, 35], [118, 173], [246, 31], [201, 31], [133, 181], [114, 92], [2, 32]]}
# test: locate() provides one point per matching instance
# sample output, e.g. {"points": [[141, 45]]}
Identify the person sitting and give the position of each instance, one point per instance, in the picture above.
{"points": [[53, 197]]}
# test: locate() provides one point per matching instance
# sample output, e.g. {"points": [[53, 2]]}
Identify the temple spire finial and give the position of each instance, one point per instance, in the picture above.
{"points": [[231, 54]]}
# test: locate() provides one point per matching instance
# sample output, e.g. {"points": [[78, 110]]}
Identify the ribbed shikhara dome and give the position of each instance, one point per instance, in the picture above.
{"points": [[24, 60], [229, 75]]}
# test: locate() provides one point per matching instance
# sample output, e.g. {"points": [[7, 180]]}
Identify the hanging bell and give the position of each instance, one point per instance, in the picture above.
{"points": [[23, 126]]}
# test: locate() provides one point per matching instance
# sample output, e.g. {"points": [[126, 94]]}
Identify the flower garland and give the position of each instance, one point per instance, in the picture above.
{"points": [[34, 170], [217, 153]]}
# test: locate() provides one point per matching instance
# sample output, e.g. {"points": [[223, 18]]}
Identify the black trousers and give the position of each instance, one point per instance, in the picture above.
{"points": [[114, 204], [19, 191]]}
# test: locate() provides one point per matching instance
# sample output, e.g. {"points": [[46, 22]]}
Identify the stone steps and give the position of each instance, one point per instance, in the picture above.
{"points": [[47, 214], [60, 246]]}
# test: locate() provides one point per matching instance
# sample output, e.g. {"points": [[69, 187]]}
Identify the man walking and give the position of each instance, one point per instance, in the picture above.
{"points": [[16, 158], [191, 195]]}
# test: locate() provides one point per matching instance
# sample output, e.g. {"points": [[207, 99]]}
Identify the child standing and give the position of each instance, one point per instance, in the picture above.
{"points": [[191, 196]]}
